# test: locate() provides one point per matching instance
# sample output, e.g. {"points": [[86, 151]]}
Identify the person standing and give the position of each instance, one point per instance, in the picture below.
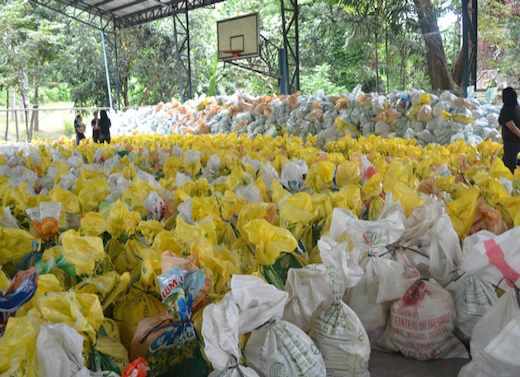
{"points": [[510, 121], [95, 127], [79, 128], [104, 127]]}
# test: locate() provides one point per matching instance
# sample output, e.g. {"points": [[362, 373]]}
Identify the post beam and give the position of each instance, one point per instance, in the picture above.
{"points": [[291, 40]]}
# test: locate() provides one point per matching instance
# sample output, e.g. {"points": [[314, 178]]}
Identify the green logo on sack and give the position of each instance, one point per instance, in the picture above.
{"points": [[277, 370]]}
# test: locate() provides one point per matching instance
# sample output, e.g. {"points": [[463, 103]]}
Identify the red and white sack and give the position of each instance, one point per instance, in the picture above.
{"points": [[490, 257], [421, 324], [384, 280], [495, 340], [335, 328]]}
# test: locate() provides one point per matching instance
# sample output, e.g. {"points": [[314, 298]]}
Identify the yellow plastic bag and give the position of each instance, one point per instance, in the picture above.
{"points": [[513, 208], [348, 173], [150, 229], [269, 240], [47, 283], [375, 208], [18, 346], [191, 237], [81, 311], [133, 307], [220, 264], [93, 224], [320, 175], [69, 201], [230, 204], [253, 211], [347, 127], [113, 353], [166, 241], [14, 244], [136, 194], [348, 197], [296, 213], [499, 170], [121, 220], [92, 193], [408, 197], [373, 187], [107, 287], [462, 211], [445, 183], [82, 252], [4, 281]]}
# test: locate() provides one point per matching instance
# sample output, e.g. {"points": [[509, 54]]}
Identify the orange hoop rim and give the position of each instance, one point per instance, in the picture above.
{"points": [[235, 53]]}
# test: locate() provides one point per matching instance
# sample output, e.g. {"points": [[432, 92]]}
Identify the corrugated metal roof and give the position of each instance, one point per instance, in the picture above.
{"points": [[127, 13]]}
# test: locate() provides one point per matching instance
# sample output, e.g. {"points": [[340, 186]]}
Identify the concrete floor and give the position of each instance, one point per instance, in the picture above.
{"points": [[396, 365]]}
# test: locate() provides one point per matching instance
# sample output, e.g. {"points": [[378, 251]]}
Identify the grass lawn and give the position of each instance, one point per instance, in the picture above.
{"points": [[53, 123]]}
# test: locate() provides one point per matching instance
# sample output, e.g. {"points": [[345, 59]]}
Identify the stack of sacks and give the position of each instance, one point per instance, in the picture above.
{"points": [[411, 114], [131, 250]]}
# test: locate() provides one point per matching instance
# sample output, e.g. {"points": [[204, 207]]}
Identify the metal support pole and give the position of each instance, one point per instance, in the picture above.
{"points": [[284, 70], [107, 70], [469, 44], [118, 77], [474, 18], [181, 27], [291, 40]]}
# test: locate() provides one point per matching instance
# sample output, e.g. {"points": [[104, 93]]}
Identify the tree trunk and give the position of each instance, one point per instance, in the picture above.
{"points": [[387, 58], [36, 113], [125, 92], [377, 64], [7, 115], [458, 70], [26, 113], [440, 77], [458, 66], [14, 102], [16, 122]]}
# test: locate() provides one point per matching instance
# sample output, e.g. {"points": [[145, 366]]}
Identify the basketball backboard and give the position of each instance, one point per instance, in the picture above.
{"points": [[238, 38]]}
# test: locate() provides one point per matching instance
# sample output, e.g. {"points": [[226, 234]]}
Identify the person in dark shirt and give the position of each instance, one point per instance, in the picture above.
{"points": [[79, 128], [104, 125], [510, 121], [95, 128]]}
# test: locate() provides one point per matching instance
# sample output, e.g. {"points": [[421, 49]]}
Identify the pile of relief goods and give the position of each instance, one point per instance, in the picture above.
{"points": [[412, 114], [231, 256]]}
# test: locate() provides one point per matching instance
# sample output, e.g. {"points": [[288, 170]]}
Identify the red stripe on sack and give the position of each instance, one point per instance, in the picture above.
{"points": [[497, 259]]}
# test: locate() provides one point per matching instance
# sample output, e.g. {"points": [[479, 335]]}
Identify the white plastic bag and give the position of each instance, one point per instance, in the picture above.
{"points": [[307, 287], [59, 350], [384, 280], [335, 328], [473, 298], [421, 324], [488, 255], [275, 347], [445, 252], [374, 235], [495, 340], [155, 205], [220, 331]]}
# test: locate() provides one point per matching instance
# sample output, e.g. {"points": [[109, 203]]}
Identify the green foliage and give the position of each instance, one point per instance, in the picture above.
{"points": [[342, 43], [55, 93], [319, 78], [68, 127]]}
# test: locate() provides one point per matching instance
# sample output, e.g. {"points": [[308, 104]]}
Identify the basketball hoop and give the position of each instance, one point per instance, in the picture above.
{"points": [[235, 53]]}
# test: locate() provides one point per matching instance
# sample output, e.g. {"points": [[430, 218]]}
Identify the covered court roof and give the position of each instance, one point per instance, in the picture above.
{"points": [[123, 13]]}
